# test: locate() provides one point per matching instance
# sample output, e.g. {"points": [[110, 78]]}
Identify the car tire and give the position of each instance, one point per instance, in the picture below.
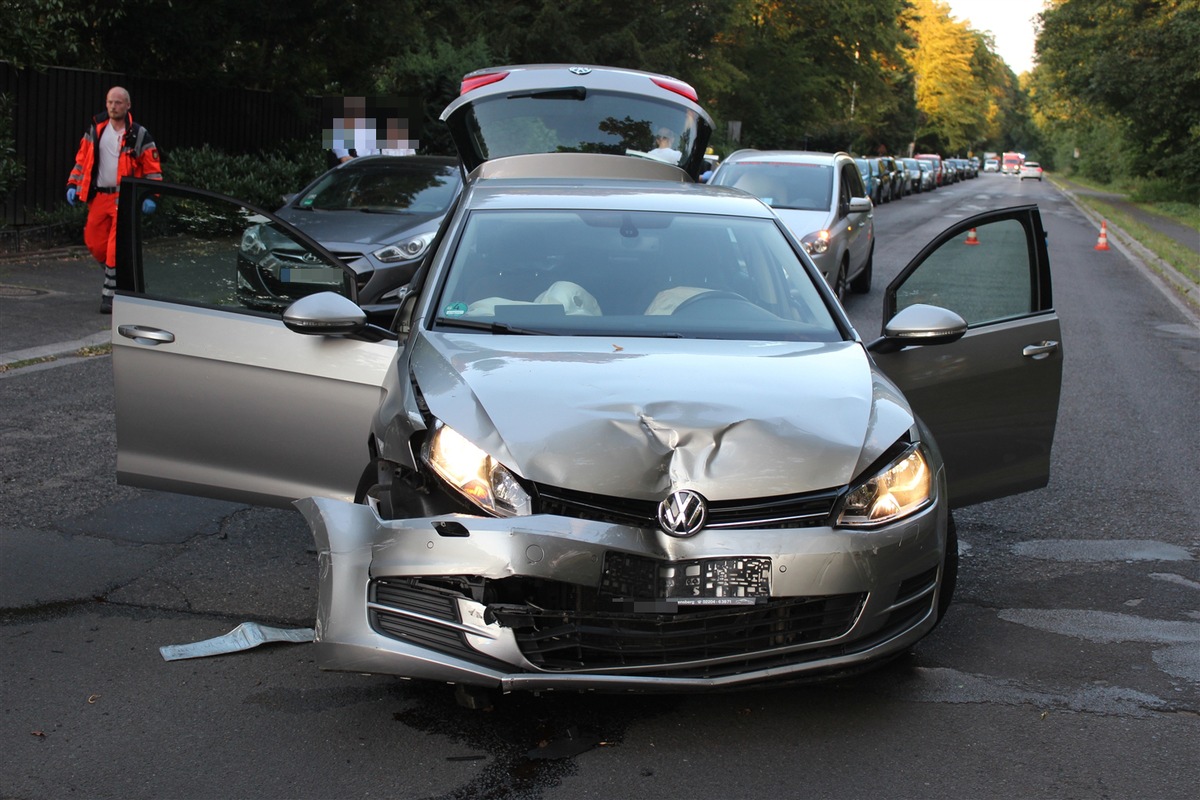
{"points": [[862, 282], [949, 568], [839, 283]]}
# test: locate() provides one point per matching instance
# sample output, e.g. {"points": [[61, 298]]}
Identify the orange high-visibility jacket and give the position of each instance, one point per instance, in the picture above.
{"points": [[138, 156]]}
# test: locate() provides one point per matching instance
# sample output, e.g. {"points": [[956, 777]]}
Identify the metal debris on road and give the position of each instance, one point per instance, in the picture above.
{"points": [[243, 637]]}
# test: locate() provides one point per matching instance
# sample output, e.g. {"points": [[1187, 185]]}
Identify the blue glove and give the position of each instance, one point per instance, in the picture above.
{"points": [[148, 206], [71, 195]]}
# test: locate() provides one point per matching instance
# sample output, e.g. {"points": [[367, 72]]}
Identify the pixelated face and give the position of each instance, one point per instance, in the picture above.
{"points": [[118, 103]]}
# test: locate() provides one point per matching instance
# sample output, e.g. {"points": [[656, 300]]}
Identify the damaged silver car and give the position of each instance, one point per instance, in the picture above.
{"points": [[620, 436]]}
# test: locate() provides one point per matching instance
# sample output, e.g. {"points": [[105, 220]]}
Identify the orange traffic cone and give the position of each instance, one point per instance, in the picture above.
{"points": [[1102, 242], [971, 237]]}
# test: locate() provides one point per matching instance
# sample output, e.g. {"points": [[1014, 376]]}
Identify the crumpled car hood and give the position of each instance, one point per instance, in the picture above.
{"points": [[639, 418]]}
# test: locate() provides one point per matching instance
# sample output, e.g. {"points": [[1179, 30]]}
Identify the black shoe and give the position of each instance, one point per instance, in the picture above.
{"points": [[105, 305]]}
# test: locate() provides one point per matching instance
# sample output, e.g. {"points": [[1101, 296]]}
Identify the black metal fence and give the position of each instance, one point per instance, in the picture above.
{"points": [[53, 107]]}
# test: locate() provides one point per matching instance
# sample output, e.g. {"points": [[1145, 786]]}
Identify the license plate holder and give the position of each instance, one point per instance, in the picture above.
{"points": [[739, 580]]}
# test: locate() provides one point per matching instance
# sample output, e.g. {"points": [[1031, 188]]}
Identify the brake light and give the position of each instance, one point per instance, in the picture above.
{"points": [[471, 84], [678, 87]]}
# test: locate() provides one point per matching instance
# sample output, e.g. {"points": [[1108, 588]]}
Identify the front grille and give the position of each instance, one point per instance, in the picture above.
{"points": [[787, 511], [575, 640]]}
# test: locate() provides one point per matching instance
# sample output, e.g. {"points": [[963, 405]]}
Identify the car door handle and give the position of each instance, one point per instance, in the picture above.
{"points": [[1040, 350], [143, 335]]}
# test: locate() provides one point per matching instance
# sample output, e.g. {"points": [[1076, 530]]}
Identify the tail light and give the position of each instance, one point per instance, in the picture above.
{"points": [[471, 84], [678, 87]]}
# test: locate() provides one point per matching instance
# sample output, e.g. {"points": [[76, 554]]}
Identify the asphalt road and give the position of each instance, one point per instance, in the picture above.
{"points": [[1069, 666]]}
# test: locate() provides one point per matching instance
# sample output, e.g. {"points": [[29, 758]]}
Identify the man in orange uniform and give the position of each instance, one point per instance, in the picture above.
{"points": [[114, 147]]}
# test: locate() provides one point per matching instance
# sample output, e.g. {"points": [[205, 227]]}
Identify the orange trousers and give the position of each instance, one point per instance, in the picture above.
{"points": [[100, 233]]}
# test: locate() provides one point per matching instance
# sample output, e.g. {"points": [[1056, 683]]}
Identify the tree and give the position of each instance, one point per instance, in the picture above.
{"points": [[810, 73], [952, 96], [1133, 61], [38, 32]]}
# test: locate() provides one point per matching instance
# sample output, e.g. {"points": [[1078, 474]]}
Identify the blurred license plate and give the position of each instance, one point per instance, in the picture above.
{"points": [[311, 275]]}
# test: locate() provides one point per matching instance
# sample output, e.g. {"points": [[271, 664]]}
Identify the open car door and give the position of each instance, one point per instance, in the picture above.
{"points": [[214, 394], [990, 398]]}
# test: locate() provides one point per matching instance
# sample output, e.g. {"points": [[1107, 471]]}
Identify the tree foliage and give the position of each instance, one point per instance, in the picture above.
{"points": [[863, 75], [1124, 70], [967, 98]]}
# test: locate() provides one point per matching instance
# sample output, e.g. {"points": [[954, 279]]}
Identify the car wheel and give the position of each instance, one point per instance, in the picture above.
{"points": [[862, 283], [949, 569], [839, 283]]}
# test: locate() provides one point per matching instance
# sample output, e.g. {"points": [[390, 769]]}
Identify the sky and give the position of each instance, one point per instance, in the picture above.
{"points": [[1009, 21]]}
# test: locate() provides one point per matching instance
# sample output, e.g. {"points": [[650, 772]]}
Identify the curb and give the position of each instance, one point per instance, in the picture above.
{"points": [[1175, 285], [54, 351]]}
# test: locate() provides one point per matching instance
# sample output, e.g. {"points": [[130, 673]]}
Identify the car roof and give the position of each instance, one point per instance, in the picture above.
{"points": [[400, 162], [785, 156], [595, 181]]}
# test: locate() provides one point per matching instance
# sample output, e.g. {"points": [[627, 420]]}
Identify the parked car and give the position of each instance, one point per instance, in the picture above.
{"points": [[822, 200], [920, 180], [1031, 169], [939, 176], [907, 178], [891, 178], [620, 435], [928, 174], [376, 213], [872, 178]]}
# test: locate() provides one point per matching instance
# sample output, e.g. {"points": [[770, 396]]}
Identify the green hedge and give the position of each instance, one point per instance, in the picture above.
{"points": [[261, 180]]}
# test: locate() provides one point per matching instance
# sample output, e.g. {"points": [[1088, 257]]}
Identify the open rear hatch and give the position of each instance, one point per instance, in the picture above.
{"points": [[559, 108]]}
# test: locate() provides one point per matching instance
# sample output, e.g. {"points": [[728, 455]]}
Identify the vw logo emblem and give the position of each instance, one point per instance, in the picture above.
{"points": [[579, 70], [683, 513]]}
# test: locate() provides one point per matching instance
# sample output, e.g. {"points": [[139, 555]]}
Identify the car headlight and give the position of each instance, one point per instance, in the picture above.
{"points": [[252, 241], [477, 476], [903, 487], [260, 239], [816, 243], [407, 250]]}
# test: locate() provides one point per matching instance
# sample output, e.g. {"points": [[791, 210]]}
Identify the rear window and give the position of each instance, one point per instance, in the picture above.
{"points": [[779, 184], [576, 120]]}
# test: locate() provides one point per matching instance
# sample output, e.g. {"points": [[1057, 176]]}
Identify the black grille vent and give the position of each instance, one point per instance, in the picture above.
{"points": [[424, 600], [566, 640]]}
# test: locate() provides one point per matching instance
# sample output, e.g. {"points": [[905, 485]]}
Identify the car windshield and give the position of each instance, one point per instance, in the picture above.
{"points": [[387, 184], [782, 184], [630, 273], [577, 121]]}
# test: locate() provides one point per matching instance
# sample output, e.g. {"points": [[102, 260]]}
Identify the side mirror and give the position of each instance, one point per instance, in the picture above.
{"points": [[919, 324], [860, 205], [325, 314]]}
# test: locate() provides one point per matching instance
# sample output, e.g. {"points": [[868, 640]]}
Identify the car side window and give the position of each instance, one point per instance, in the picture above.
{"points": [[213, 251], [985, 275], [852, 185]]}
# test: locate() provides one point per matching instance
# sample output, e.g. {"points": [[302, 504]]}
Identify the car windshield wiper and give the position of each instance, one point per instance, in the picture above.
{"points": [[490, 327]]}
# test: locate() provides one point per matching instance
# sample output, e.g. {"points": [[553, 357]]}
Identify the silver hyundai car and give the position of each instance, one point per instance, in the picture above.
{"points": [[621, 434]]}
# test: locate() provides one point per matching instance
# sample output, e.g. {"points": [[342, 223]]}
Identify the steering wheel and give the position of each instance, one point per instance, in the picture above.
{"points": [[712, 294]]}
